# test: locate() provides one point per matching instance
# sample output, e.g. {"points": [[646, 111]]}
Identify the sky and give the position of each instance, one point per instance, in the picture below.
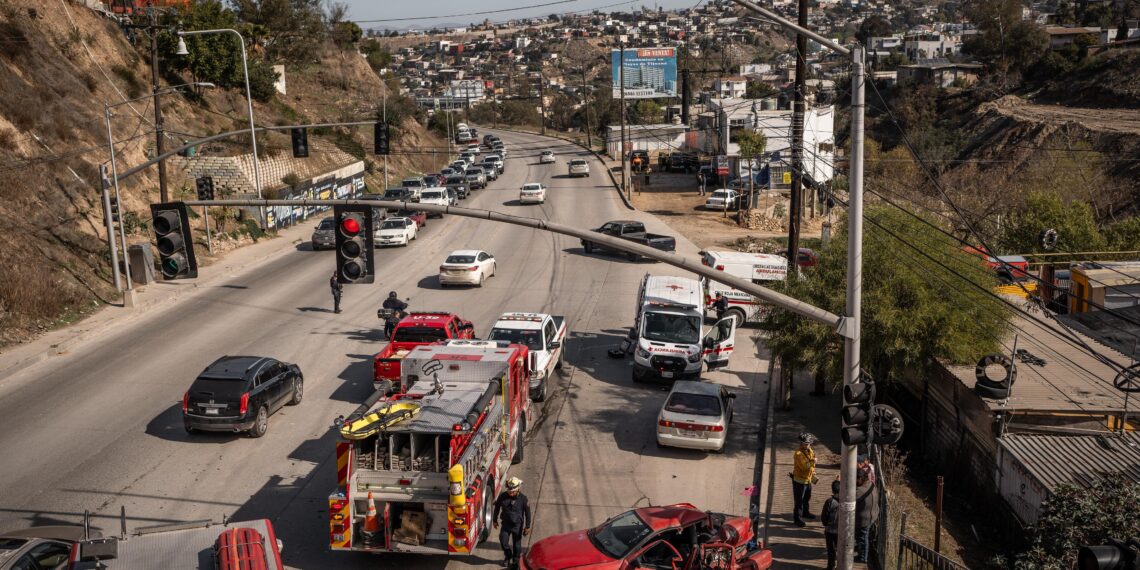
{"points": [[448, 12]]}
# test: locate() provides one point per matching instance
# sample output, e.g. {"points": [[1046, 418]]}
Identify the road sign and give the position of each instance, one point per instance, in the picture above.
{"points": [[721, 165], [787, 177]]}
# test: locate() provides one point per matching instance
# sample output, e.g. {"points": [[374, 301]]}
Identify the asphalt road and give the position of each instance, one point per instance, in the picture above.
{"points": [[100, 428]]}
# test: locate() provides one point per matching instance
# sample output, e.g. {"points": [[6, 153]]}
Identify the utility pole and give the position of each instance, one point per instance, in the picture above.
{"points": [[586, 103], [542, 100], [795, 209], [621, 81], [152, 30], [384, 116]]}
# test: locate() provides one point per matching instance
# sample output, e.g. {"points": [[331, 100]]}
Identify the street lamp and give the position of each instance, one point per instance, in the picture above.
{"points": [[129, 295], [248, 97]]}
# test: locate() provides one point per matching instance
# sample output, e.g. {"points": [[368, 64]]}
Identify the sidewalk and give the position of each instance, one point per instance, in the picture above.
{"points": [[794, 547]]}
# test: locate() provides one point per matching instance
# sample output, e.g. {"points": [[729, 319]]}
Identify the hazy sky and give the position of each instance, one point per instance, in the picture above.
{"points": [[450, 11]]}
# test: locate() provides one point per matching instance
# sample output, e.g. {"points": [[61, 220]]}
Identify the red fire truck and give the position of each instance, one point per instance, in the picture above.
{"points": [[416, 329], [418, 471]]}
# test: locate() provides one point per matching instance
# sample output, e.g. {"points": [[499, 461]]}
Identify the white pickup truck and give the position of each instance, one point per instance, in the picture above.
{"points": [[543, 335]]}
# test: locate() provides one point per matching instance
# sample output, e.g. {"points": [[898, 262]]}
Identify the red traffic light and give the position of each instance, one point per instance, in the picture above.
{"points": [[350, 226]]}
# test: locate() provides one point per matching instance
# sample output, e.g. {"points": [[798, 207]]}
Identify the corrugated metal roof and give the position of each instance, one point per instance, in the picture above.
{"points": [[1072, 380], [1114, 328], [1078, 459]]}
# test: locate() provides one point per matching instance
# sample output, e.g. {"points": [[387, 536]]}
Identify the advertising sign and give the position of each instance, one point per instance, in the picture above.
{"points": [[645, 73], [721, 165]]}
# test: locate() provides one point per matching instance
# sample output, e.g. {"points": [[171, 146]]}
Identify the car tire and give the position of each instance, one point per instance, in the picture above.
{"points": [[261, 423], [738, 313], [991, 392], [638, 378], [298, 391], [494, 269], [189, 430], [482, 277], [588, 247], [631, 256], [561, 358], [540, 395]]}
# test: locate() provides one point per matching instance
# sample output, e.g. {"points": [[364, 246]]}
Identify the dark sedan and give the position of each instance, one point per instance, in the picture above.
{"points": [[238, 393]]}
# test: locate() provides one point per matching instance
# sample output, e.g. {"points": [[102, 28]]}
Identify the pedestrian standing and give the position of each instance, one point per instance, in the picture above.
{"points": [[803, 477], [704, 179], [866, 513], [336, 290], [646, 184], [865, 465], [829, 516], [720, 305], [513, 512]]}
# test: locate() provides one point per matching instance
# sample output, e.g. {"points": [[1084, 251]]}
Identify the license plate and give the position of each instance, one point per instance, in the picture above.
{"points": [[211, 411], [691, 433], [666, 374]]}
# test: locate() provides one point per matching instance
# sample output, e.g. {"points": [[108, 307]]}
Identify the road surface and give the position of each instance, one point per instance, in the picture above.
{"points": [[99, 428]]}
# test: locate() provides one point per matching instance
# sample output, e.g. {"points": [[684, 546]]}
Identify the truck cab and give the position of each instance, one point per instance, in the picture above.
{"points": [[543, 335], [759, 268], [670, 339], [416, 329]]}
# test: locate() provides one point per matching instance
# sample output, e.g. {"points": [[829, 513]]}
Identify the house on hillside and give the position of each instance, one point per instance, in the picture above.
{"points": [[940, 72], [1061, 37]]}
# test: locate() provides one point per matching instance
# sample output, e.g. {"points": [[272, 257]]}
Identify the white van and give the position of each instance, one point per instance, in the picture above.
{"points": [[669, 331], [755, 267]]}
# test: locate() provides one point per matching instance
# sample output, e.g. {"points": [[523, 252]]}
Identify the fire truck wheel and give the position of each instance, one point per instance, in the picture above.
{"points": [[519, 440], [485, 512]]}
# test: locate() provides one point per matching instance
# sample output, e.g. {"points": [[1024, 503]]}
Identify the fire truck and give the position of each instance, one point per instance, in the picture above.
{"points": [[419, 470]]}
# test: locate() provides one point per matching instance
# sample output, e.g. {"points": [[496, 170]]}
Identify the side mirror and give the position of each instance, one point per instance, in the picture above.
{"points": [[730, 395], [555, 344]]}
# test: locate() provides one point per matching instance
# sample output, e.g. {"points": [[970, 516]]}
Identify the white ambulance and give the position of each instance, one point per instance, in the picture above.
{"points": [[755, 267]]}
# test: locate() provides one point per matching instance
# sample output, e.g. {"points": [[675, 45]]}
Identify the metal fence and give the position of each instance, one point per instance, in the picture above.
{"points": [[913, 555]]}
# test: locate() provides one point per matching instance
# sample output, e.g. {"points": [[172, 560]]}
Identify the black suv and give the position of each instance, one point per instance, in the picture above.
{"points": [[399, 195], [238, 393]]}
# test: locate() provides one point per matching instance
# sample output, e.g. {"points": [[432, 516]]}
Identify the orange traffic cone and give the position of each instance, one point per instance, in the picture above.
{"points": [[371, 530]]}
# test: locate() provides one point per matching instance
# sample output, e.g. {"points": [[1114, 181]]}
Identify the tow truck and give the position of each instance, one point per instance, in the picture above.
{"points": [[416, 329], [418, 471], [544, 335]]}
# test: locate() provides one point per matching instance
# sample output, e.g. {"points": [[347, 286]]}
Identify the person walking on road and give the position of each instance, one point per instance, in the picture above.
{"points": [[803, 477], [336, 291], [829, 516], [513, 512], [398, 307], [866, 514]]}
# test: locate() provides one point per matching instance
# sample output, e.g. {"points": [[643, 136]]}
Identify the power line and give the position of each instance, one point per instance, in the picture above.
{"points": [[499, 11]]}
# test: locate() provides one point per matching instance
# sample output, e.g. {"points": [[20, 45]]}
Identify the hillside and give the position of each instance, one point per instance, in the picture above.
{"points": [[59, 65]]}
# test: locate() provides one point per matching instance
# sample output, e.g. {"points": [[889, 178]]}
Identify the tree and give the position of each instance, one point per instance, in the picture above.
{"points": [[1004, 42], [1074, 517], [1074, 221], [1124, 236], [295, 28], [759, 90], [216, 58], [914, 311], [874, 27]]}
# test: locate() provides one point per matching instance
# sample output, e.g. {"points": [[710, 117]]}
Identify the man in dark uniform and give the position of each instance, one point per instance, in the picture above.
{"points": [[512, 509], [720, 305], [398, 307], [336, 290]]}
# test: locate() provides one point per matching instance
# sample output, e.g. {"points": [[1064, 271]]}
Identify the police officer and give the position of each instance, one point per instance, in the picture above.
{"points": [[398, 307], [720, 305], [336, 290], [512, 509]]}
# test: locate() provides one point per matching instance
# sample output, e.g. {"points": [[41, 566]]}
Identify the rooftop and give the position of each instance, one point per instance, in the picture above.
{"points": [[1079, 459]]}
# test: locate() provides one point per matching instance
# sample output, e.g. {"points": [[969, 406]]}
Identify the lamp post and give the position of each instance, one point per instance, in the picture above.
{"points": [[128, 296], [248, 97]]}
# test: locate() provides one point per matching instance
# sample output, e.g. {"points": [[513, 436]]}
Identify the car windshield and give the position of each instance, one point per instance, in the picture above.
{"points": [[456, 180], [474, 171], [419, 334], [677, 329], [413, 182], [393, 225], [532, 187], [577, 163], [460, 259], [434, 195], [720, 194], [532, 339], [394, 194], [326, 225], [619, 535], [694, 404], [406, 213]]}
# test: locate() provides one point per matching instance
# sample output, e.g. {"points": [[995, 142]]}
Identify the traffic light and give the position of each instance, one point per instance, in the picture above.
{"points": [[1116, 555], [354, 246], [858, 400], [205, 186], [114, 209], [380, 139], [300, 143], [171, 223]]}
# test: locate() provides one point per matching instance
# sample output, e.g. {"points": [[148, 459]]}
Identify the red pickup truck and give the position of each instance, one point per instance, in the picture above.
{"points": [[414, 330]]}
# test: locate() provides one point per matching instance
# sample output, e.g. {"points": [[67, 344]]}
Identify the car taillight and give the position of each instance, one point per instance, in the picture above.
{"points": [[244, 403], [665, 423], [442, 268], [474, 268], [720, 268], [716, 428], [186, 402]]}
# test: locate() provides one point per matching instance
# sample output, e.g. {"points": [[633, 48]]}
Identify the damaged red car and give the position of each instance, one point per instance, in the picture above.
{"points": [[674, 537]]}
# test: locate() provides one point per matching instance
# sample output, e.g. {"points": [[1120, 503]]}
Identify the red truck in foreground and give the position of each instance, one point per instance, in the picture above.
{"points": [[417, 329]]}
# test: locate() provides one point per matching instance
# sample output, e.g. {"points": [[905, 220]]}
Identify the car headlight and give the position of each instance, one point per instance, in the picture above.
{"points": [[695, 357], [642, 353]]}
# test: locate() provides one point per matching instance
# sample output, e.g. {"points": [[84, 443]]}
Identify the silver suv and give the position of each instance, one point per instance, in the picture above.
{"points": [[579, 167], [476, 177]]}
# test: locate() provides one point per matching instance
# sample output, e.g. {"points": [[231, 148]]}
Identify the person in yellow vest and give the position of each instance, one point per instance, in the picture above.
{"points": [[803, 477]]}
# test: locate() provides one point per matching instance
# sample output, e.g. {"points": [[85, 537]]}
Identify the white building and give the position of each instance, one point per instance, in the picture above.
{"points": [[730, 87], [776, 124], [653, 138]]}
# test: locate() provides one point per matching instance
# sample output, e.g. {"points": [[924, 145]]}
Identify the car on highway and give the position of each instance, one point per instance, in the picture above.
{"points": [[431, 180], [436, 196], [490, 171], [474, 148], [672, 537], [397, 231], [400, 195], [723, 199], [476, 178], [547, 157], [413, 184], [578, 167], [494, 161], [468, 156], [458, 165], [532, 193], [447, 172], [239, 393], [633, 231], [695, 416], [324, 235], [417, 216], [489, 139], [39, 547], [458, 183], [467, 267], [452, 196]]}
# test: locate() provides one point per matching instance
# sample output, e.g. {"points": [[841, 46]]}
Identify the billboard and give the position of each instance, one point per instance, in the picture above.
{"points": [[645, 73]]}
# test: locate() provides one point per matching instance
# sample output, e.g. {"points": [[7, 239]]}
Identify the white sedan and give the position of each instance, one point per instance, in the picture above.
{"points": [[695, 416], [396, 231], [532, 193], [466, 267], [722, 199], [547, 157]]}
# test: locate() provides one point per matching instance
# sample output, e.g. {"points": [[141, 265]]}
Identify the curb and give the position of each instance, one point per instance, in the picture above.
{"points": [[597, 156], [767, 479]]}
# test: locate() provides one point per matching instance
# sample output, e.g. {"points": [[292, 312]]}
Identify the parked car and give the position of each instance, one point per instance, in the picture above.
{"points": [[324, 235], [532, 193], [413, 184], [400, 195], [417, 216], [496, 161], [489, 139], [547, 157], [579, 167], [432, 181], [639, 160], [722, 199], [466, 267], [683, 162], [476, 178], [435, 196], [458, 165], [630, 231], [458, 182], [447, 172], [695, 416], [806, 258], [473, 148], [239, 393], [673, 537], [39, 547], [397, 231]]}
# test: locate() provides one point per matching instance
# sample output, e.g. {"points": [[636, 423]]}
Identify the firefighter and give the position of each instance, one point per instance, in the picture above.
{"points": [[398, 307], [512, 509]]}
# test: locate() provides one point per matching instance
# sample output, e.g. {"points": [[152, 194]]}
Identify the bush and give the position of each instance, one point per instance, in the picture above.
{"points": [[134, 84]]}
